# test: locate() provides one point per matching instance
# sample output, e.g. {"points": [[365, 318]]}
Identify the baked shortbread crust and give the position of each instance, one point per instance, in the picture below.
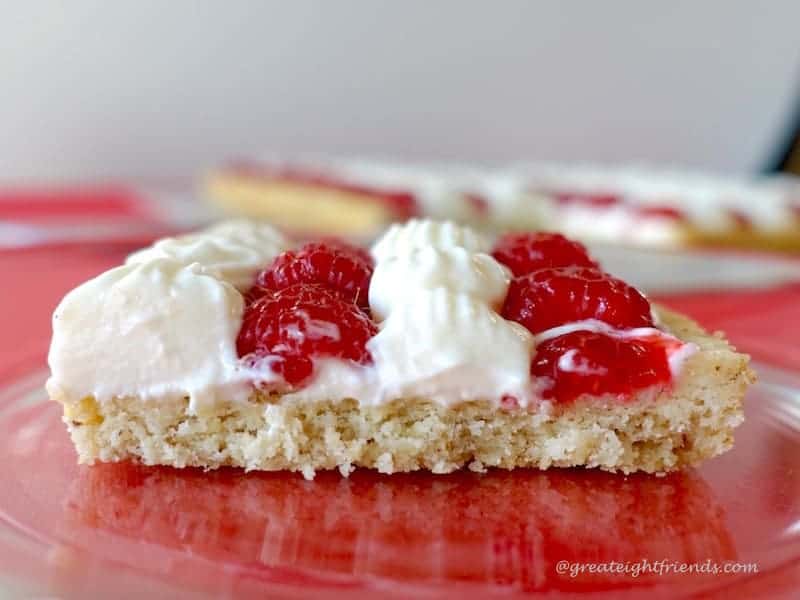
{"points": [[657, 430]]}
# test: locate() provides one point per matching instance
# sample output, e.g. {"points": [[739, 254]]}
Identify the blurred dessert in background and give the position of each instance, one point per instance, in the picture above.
{"points": [[628, 205]]}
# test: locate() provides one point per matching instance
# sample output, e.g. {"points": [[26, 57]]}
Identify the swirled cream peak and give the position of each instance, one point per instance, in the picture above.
{"points": [[472, 273], [233, 250], [426, 233], [440, 337], [152, 329], [451, 347]]}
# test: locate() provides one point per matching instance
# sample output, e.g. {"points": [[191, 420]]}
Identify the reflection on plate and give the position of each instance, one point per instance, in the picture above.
{"points": [[125, 530], [501, 530]]}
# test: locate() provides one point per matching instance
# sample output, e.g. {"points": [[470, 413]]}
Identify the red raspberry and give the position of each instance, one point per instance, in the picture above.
{"points": [[584, 362], [335, 265], [596, 200], [552, 297], [664, 212], [358, 251], [302, 322], [525, 253]]}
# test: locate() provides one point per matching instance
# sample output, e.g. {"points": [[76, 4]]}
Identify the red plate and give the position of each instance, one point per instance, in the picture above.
{"points": [[124, 531]]}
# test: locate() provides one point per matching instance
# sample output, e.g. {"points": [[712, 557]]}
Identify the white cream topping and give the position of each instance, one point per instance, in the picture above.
{"points": [[617, 223], [441, 337], [450, 347], [570, 362], [434, 290], [513, 204], [702, 198], [335, 379], [400, 239], [233, 250], [165, 324], [677, 355], [707, 202], [472, 273], [154, 329]]}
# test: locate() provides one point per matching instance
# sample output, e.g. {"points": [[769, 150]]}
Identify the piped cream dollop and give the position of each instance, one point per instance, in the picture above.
{"points": [[435, 292], [234, 251], [475, 274], [155, 329], [451, 347], [400, 239]]}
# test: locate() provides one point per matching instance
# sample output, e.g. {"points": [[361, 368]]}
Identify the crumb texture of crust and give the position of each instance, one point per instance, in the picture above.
{"points": [[658, 432]]}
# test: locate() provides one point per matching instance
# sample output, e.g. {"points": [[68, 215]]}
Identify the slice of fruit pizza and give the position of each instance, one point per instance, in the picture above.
{"points": [[622, 205], [436, 349]]}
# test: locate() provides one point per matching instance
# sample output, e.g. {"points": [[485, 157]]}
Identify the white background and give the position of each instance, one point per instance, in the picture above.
{"points": [[94, 89]]}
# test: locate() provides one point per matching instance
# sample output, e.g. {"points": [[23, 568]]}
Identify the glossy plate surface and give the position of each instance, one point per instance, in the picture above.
{"points": [[123, 530]]}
